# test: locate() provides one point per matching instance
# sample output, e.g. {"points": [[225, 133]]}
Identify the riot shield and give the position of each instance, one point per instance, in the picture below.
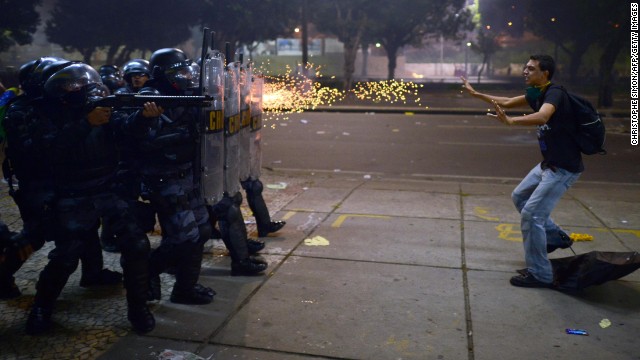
{"points": [[255, 141], [232, 125], [213, 137], [245, 116]]}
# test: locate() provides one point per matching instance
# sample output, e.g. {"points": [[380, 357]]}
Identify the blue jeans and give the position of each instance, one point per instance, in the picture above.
{"points": [[535, 197]]}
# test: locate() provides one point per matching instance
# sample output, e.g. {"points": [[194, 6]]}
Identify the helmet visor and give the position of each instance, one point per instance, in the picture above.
{"points": [[184, 77]]}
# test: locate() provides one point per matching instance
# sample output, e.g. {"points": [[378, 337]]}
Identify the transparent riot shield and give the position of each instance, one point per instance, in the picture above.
{"points": [[232, 125], [255, 141], [245, 116], [213, 137]]}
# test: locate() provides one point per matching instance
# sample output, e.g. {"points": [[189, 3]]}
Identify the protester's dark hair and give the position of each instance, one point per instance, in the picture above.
{"points": [[546, 63]]}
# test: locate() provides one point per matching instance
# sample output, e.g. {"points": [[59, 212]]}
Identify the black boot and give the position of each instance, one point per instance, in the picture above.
{"points": [[50, 284], [9, 289], [254, 245], [253, 265], [135, 266], [272, 227], [141, 318], [92, 261], [108, 240], [259, 208], [103, 277], [186, 289], [161, 259]]}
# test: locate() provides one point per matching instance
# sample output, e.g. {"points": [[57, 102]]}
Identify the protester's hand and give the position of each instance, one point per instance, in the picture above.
{"points": [[466, 85], [152, 110], [500, 114], [99, 116]]}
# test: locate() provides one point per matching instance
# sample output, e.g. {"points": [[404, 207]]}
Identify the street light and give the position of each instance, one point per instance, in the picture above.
{"points": [[466, 58]]}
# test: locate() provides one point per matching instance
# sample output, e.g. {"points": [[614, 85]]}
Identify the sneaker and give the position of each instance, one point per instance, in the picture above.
{"points": [[529, 281], [523, 272], [567, 242]]}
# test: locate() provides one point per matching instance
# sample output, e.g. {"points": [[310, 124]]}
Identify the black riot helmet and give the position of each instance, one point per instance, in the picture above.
{"points": [[173, 71], [74, 84], [111, 76], [32, 79], [26, 70], [135, 66]]}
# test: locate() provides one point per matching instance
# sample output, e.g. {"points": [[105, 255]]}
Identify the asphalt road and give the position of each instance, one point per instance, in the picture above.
{"points": [[423, 145]]}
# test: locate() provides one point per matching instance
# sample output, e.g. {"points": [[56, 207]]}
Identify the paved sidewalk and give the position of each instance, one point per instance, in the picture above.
{"points": [[367, 268]]}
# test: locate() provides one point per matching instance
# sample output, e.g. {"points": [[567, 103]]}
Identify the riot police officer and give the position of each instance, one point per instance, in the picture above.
{"points": [[111, 77], [166, 142], [135, 73], [82, 152], [26, 131]]}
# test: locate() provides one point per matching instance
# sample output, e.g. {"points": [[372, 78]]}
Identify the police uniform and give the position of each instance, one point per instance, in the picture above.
{"points": [[164, 155], [84, 160]]}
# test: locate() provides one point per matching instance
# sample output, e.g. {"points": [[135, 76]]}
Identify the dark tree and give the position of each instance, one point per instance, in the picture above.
{"points": [[409, 22], [503, 16], [248, 21], [347, 20], [120, 25], [486, 44], [18, 22], [577, 25]]}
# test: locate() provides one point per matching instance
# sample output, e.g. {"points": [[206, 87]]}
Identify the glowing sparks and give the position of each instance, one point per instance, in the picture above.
{"points": [[389, 91], [297, 90]]}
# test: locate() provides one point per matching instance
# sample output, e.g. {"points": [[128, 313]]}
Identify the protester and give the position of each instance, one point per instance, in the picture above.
{"points": [[539, 192]]}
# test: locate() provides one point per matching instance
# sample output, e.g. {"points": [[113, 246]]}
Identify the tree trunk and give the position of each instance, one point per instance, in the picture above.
{"points": [[305, 37], [111, 54], [86, 55], [392, 57], [350, 52]]}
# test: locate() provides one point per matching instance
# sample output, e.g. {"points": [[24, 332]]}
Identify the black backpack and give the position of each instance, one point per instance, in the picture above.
{"points": [[591, 132]]}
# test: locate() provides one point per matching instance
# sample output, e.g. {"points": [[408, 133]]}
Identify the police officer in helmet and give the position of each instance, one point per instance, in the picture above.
{"points": [[84, 159], [166, 142], [27, 132], [111, 77], [135, 73]]}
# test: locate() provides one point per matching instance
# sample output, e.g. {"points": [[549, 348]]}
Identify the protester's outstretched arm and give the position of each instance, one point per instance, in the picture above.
{"points": [[538, 118], [506, 102]]}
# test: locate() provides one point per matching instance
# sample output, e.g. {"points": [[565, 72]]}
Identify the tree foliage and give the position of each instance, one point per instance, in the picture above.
{"points": [[126, 25], [503, 16], [347, 20], [576, 26], [409, 22], [18, 21], [247, 21]]}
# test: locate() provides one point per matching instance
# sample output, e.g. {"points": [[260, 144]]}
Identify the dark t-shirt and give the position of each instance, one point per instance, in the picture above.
{"points": [[557, 145]]}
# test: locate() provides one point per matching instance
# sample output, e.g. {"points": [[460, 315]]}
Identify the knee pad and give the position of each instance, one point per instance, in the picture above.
{"points": [[253, 187], [221, 208]]}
